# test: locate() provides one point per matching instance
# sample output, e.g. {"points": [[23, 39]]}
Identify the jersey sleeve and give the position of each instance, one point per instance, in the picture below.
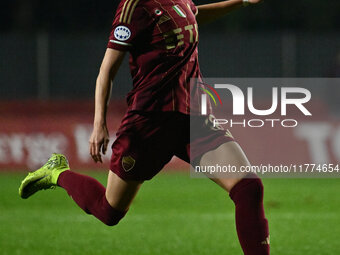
{"points": [[130, 21]]}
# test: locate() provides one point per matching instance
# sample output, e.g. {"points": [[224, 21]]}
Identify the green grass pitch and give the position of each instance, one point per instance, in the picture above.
{"points": [[172, 214]]}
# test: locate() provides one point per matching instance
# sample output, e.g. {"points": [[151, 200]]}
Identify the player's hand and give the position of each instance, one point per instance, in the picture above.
{"points": [[255, 1], [98, 142]]}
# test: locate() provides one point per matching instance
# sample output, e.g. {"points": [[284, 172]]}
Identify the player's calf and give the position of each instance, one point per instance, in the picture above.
{"points": [[108, 215], [251, 224], [89, 194]]}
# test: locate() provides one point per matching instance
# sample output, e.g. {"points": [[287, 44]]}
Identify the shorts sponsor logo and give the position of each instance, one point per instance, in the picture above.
{"points": [[122, 33], [128, 163]]}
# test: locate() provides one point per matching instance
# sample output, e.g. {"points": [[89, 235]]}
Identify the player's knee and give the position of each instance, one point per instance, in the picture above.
{"points": [[115, 217]]}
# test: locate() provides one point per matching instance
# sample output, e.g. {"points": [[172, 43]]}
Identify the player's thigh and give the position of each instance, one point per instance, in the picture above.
{"points": [[227, 154], [120, 193]]}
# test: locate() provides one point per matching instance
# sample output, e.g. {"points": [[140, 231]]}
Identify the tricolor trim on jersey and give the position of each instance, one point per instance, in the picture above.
{"points": [[127, 11], [179, 11]]}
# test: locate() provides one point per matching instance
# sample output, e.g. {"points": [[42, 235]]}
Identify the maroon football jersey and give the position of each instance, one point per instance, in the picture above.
{"points": [[162, 38]]}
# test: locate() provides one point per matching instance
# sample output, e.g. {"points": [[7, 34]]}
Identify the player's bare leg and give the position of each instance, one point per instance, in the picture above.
{"points": [[120, 193], [247, 193], [229, 153]]}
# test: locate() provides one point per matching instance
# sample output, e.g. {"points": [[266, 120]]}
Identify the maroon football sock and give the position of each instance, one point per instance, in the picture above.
{"points": [[89, 194], [251, 224]]}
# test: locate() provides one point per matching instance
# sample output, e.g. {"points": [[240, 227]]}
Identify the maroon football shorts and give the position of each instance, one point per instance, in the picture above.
{"points": [[147, 141]]}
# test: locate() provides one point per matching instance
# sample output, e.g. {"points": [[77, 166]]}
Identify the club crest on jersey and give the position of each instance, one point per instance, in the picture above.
{"points": [[128, 163], [179, 11], [122, 33]]}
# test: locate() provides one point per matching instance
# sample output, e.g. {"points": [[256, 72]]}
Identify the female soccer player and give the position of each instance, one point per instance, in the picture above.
{"points": [[161, 37]]}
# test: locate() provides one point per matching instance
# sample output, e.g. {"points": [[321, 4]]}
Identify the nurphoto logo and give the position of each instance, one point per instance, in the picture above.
{"points": [[241, 104]]}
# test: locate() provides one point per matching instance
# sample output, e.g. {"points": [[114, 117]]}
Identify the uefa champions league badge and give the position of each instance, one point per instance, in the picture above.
{"points": [[122, 33]]}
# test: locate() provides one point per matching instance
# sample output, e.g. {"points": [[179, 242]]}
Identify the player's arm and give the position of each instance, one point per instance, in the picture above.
{"points": [[210, 12], [100, 136]]}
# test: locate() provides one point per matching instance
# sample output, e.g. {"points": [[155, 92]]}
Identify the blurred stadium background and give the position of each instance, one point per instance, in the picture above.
{"points": [[50, 53]]}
